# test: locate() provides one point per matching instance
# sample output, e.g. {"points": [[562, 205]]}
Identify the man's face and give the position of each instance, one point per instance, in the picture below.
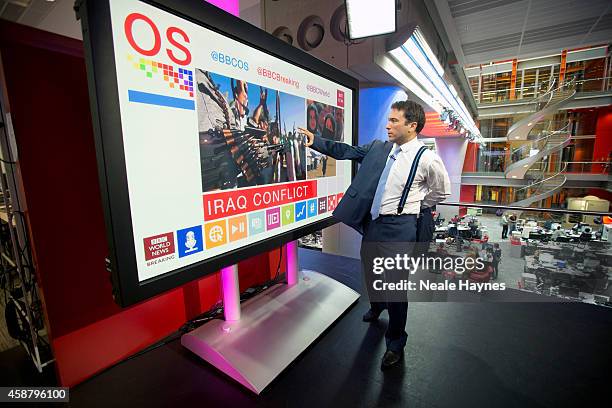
{"points": [[398, 129], [312, 119]]}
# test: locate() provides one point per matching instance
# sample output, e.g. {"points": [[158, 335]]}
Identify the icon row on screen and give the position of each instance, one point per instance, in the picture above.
{"points": [[216, 233]]}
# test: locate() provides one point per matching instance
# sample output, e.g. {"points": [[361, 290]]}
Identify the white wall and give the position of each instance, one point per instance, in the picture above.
{"points": [[452, 152]]}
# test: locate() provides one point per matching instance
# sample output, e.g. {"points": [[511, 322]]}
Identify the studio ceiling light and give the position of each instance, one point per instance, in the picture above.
{"points": [[368, 18], [418, 60]]}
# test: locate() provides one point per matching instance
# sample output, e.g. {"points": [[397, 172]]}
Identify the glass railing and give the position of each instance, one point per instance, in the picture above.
{"points": [[573, 167], [504, 94], [594, 85], [542, 183], [531, 92], [538, 254], [554, 91], [588, 167], [487, 130], [486, 166]]}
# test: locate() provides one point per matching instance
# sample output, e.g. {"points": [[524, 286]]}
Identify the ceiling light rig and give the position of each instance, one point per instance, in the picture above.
{"points": [[454, 123], [426, 80]]}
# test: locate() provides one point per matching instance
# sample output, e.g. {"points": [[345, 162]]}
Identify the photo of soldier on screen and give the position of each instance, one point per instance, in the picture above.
{"points": [[327, 122], [241, 143]]}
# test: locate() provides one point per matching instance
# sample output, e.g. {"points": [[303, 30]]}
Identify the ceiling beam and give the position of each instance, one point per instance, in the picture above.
{"points": [[451, 30], [518, 53], [595, 24]]}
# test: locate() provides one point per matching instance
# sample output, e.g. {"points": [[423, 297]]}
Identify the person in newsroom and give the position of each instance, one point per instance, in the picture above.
{"points": [[372, 202]]}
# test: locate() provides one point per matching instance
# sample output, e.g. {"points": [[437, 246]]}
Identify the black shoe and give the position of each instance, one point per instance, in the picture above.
{"points": [[370, 316], [391, 359]]}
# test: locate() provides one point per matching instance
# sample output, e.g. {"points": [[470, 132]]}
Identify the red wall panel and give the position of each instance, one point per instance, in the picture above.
{"points": [[92, 348], [466, 195], [603, 137], [471, 156], [52, 123], [601, 193]]}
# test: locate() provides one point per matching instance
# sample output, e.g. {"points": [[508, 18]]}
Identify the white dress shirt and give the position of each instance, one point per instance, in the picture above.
{"points": [[431, 183]]}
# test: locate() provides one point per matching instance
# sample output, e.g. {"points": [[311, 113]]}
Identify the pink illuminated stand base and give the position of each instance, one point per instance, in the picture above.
{"points": [[260, 338]]}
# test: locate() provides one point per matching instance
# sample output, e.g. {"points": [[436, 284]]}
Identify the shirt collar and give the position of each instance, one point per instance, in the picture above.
{"points": [[413, 144]]}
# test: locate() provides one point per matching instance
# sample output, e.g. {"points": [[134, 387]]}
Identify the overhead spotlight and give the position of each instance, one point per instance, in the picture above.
{"points": [[450, 116], [368, 18], [444, 115]]}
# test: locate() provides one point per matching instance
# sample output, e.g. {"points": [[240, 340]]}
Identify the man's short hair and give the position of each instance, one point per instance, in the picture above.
{"points": [[413, 112]]}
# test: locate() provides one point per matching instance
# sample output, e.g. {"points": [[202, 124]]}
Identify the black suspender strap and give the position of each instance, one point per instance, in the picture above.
{"points": [[411, 176]]}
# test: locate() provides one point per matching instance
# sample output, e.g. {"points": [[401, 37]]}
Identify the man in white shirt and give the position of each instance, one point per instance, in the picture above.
{"points": [[375, 205], [504, 224], [557, 233]]}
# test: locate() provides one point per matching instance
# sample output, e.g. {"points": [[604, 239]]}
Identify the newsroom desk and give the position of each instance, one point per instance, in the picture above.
{"points": [[544, 234], [597, 249], [463, 231], [584, 267]]}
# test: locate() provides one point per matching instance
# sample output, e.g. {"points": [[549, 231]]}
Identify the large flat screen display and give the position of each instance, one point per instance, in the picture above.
{"points": [[201, 162]]}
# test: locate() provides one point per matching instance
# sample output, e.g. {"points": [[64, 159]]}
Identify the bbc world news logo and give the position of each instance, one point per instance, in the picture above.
{"points": [[159, 248]]}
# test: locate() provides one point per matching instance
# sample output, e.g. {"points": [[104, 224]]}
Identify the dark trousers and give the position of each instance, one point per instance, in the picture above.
{"points": [[495, 269], [386, 232], [504, 231]]}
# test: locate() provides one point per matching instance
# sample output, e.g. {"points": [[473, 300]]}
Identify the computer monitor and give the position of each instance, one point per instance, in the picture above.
{"points": [[200, 161]]}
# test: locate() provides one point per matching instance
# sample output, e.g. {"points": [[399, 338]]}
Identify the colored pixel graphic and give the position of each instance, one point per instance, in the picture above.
{"points": [[181, 79]]}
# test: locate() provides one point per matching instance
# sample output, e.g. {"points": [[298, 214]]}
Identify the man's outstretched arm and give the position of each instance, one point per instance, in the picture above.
{"points": [[337, 150]]}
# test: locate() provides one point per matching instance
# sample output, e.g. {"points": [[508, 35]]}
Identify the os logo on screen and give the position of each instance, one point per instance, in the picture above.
{"points": [[152, 32]]}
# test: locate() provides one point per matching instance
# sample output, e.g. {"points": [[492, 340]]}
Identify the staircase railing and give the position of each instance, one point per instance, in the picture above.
{"points": [[544, 105], [539, 144], [544, 100], [541, 189]]}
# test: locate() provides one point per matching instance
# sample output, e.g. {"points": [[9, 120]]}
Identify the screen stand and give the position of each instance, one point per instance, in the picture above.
{"points": [[231, 293], [291, 250], [260, 338]]}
